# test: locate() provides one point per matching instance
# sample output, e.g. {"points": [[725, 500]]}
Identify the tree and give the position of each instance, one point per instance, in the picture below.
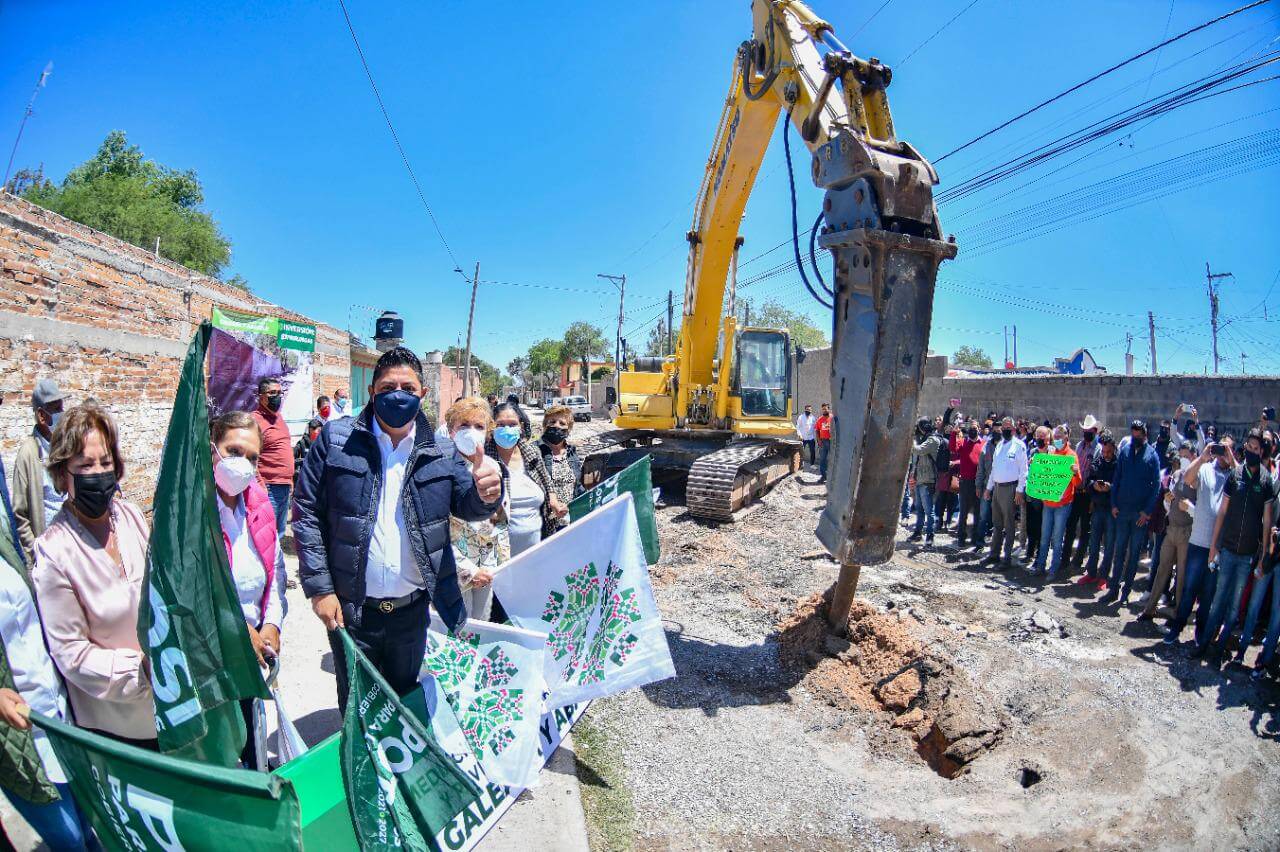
{"points": [[803, 332], [119, 192], [584, 341], [519, 368], [657, 342], [544, 360], [240, 281], [601, 373], [492, 380], [971, 356]]}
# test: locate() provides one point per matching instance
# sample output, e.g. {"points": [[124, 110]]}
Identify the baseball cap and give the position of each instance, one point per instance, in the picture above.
{"points": [[46, 391]]}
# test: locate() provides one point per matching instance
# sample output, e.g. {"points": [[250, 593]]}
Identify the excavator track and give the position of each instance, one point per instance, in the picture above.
{"points": [[595, 450], [724, 481]]}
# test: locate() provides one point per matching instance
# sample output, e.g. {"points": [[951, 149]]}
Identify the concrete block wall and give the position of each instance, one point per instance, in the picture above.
{"points": [[1232, 402], [110, 320]]}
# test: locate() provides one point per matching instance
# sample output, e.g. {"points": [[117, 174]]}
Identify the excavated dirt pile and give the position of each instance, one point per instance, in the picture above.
{"points": [[881, 667]]}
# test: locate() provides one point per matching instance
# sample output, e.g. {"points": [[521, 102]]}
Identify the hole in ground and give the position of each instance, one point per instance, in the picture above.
{"points": [[933, 748], [1028, 777]]}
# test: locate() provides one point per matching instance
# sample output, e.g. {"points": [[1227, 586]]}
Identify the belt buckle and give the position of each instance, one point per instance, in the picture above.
{"points": [[386, 605]]}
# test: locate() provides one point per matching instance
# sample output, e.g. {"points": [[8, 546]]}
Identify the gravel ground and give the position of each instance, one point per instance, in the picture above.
{"points": [[1133, 743]]}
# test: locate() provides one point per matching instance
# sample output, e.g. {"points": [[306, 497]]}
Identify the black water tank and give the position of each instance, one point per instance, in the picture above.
{"points": [[389, 327]]}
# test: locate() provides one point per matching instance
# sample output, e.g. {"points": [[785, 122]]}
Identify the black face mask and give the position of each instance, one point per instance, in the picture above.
{"points": [[1007, 433], [1043, 442], [1088, 437], [973, 434], [273, 402], [94, 492], [555, 434], [1138, 441], [1252, 459]]}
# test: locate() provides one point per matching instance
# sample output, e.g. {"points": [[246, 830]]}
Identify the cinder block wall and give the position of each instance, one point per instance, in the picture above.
{"points": [[110, 320], [1232, 402]]}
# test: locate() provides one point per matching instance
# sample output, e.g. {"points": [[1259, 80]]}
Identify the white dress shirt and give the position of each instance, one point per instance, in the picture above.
{"points": [[248, 572], [805, 426], [1009, 464], [33, 673], [392, 571]]}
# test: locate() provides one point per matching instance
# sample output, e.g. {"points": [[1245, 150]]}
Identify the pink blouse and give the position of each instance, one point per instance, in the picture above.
{"points": [[89, 606]]}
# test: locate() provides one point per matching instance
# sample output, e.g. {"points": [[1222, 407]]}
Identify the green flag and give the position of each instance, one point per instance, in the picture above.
{"points": [[636, 480], [189, 622], [139, 801], [402, 787]]}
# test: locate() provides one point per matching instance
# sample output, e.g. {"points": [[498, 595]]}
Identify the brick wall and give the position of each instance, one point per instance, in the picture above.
{"points": [[110, 320]]}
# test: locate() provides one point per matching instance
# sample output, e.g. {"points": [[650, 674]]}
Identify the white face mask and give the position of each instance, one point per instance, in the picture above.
{"points": [[1184, 463], [468, 440], [233, 474]]}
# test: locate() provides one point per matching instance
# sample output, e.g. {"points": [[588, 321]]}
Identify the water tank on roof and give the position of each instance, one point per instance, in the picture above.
{"points": [[388, 331]]}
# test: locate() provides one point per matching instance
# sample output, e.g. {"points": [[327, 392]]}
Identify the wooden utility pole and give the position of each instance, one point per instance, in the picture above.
{"points": [[1151, 331], [619, 281], [670, 319], [471, 315], [1212, 279]]}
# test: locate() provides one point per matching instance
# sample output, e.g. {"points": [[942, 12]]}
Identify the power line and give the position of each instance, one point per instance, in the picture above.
{"points": [[1098, 76], [396, 138], [868, 21], [916, 50]]}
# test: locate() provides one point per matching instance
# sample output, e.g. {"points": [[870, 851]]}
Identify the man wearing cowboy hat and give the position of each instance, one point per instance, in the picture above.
{"points": [[1078, 521]]}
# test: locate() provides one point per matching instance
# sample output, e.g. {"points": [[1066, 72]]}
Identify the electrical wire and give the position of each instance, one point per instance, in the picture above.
{"points": [[868, 21], [395, 137], [917, 48], [795, 224], [1078, 86]]}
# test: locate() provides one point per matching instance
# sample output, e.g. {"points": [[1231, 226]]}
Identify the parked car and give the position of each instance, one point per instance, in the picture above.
{"points": [[579, 406]]}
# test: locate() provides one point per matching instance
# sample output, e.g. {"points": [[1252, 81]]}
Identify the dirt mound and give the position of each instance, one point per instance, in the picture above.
{"points": [[881, 666]]}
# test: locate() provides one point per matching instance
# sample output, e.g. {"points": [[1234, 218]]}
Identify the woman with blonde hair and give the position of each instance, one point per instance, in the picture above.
{"points": [[88, 575], [479, 547]]}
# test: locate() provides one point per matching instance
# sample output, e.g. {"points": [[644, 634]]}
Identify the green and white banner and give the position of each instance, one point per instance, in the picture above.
{"points": [[140, 801], [587, 587], [491, 676], [636, 480], [288, 334], [189, 622], [402, 787]]}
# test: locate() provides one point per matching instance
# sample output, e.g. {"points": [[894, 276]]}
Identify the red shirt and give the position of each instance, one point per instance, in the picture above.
{"points": [[823, 428], [275, 465], [965, 454]]}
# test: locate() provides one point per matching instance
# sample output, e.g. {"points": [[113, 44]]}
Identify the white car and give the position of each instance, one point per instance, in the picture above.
{"points": [[579, 406]]}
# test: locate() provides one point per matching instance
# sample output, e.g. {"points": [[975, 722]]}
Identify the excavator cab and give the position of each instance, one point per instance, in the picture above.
{"points": [[762, 377]]}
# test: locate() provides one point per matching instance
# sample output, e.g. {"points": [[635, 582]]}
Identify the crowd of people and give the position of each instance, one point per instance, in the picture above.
{"points": [[389, 516], [1194, 507]]}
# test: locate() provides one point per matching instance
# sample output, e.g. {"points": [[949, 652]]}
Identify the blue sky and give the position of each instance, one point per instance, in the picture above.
{"points": [[558, 142]]}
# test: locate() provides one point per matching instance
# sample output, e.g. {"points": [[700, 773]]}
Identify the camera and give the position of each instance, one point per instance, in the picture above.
{"points": [[1218, 450]]}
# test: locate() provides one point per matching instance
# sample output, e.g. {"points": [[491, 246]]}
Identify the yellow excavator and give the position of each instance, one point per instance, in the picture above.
{"points": [[720, 409]]}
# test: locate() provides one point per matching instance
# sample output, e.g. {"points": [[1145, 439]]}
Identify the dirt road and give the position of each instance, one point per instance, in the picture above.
{"points": [[1063, 725]]}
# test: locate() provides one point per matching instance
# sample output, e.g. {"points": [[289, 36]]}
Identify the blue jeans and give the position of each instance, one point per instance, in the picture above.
{"points": [[1233, 573], [279, 495], [1257, 599], [1200, 586], [906, 503], [1102, 543], [1129, 539], [924, 509], [60, 824], [824, 448], [1053, 530], [984, 519], [1157, 541], [811, 446]]}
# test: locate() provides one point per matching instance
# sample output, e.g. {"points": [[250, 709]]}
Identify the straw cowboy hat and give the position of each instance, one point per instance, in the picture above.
{"points": [[1089, 422]]}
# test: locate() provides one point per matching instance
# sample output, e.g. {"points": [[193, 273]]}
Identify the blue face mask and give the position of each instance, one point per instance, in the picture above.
{"points": [[396, 408], [1057, 443], [506, 436]]}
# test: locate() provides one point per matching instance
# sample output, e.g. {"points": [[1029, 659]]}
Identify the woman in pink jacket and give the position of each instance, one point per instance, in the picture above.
{"points": [[88, 580], [249, 533]]}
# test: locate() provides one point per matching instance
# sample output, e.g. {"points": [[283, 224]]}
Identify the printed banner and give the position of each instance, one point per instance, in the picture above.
{"points": [[492, 677], [635, 480], [288, 334], [245, 348], [470, 825], [189, 622], [140, 801], [1048, 475], [402, 787], [587, 587]]}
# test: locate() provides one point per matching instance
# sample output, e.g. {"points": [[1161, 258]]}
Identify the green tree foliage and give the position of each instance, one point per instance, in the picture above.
{"points": [[584, 341], [492, 380], [545, 358], [518, 367], [971, 356], [657, 342], [119, 192], [803, 332]]}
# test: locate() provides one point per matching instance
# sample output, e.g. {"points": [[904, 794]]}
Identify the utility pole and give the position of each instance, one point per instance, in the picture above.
{"points": [[44, 78], [1015, 346], [1242, 357], [1005, 365], [1212, 279], [619, 281], [471, 315], [1151, 331], [670, 319]]}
